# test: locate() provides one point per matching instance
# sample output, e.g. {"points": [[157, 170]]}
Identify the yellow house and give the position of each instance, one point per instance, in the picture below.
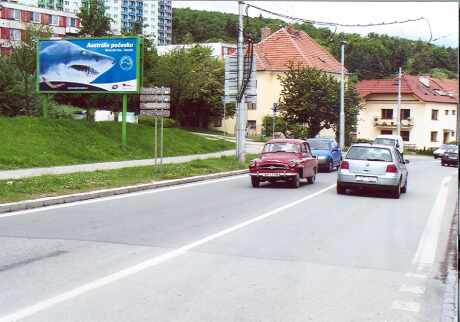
{"points": [[428, 110], [273, 55]]}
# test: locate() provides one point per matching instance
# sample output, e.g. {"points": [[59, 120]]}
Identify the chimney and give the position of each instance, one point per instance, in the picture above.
{"points": [[425, 80], [265, 32]]}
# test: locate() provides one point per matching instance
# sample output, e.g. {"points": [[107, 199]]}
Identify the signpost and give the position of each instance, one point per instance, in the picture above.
{"points": [[109, 65], [155, 101]]}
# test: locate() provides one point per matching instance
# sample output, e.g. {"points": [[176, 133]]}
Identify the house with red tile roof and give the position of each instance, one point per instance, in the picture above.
{"points": [[428, 109], [273, 55]]}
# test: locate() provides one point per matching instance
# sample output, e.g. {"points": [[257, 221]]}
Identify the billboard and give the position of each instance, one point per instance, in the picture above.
{"points": [[89, 65]]}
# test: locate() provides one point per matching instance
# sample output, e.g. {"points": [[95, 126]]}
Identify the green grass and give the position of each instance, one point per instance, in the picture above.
{"points": [[37, 142], [52, 185]]}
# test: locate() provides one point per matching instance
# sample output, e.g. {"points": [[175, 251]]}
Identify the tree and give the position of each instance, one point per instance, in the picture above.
{"points": [[94, 22], [196, 81], [311, 99], [24, 59]]}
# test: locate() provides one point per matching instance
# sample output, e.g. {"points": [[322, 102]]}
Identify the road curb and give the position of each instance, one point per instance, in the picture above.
{"points": [[49, 201]]}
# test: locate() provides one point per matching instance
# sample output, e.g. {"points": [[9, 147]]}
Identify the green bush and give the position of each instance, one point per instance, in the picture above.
{"points": [[425, 151], [267, 125], [150, 121], [363, 140], [61, 111]]}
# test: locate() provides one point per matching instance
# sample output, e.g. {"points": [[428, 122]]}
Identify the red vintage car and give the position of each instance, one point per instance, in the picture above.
{"points": [[284, 160]]}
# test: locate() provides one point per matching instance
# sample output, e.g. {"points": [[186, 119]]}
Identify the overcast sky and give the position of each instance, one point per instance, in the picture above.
{"points": [[443, 16]]}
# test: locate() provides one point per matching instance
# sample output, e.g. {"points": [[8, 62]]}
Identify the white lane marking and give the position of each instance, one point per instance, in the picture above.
{"points": [[406, 306], [40, 306], [127, 195], [412, 289], [415, 275], [428, 243]]}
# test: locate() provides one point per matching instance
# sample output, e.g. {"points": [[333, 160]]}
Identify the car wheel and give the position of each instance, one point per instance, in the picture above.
{"points": [[443, 164], [296, 181], [340, 189], [312, 179], [330, 166], [404, 189], [397, 191], [435, 156], [255, 182]]}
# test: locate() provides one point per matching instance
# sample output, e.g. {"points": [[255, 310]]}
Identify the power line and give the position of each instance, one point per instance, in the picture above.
{"points": [[337, 24]]}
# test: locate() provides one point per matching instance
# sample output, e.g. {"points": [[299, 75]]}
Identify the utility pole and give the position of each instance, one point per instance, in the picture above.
{"points": [[398, 108], [342, 96], [275, 106], [240, 106]]}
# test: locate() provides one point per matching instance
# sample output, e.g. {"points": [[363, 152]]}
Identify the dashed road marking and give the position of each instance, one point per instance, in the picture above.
{"points": [[406, 306], [412, 289], [416, 275]]}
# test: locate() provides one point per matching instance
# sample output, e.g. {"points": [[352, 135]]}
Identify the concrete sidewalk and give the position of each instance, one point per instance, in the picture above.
{"points": [[32, 172], [251, 147]]}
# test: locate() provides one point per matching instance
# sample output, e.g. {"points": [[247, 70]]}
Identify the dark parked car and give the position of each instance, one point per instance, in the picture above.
{"points": [[284, 160], [450, 157], [327, 151]]}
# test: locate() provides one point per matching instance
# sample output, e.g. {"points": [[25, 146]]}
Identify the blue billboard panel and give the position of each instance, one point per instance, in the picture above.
{"points": [[89, 65]]}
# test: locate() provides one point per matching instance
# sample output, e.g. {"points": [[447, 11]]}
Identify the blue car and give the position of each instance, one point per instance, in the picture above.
{"points": [[327, 151]]}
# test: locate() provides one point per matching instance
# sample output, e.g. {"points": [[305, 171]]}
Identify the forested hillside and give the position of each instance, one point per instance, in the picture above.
{"points": [[374, 56]]}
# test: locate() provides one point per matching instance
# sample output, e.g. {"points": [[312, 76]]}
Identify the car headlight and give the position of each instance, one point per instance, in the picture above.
{"points": [[292, 163], [253, 163]]}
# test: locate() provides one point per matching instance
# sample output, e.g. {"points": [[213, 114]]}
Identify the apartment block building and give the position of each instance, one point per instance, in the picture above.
{"points": [[15, 17], [154, 15]]}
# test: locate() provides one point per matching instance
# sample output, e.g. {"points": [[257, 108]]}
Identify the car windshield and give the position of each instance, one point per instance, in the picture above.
{"points": [[318, 144], [369, 154], [452, 150], [280, 147], [384, 141]]}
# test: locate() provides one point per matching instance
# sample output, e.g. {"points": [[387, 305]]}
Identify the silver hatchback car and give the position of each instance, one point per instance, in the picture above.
{"points": [[372, 166]]}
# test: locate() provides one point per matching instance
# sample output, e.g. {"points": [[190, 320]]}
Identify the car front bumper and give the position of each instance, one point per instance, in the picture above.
{"points": [[273, 175]]}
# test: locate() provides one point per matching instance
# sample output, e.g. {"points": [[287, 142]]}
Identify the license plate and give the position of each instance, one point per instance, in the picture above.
{"points": [[366, 179], [271, 174]]}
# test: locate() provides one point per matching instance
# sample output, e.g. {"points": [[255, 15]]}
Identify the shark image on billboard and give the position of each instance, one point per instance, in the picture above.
{"points": [[88, 65]]}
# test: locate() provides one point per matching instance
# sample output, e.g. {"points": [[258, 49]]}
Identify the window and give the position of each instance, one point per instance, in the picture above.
{"points": [[36, 17], [251, 106], [387, 114], [386, 132], [434, 136], [251, 125], [16, 14], [218, 123], [453, 112], [15, 34], [405, 114], [405, 135], [434, 115], [54, 20], [447, 112], [366, 153]]}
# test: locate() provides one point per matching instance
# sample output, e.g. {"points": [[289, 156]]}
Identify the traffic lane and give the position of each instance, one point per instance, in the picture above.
{"points": [[51, 251], [213, 283], [166, 218]]}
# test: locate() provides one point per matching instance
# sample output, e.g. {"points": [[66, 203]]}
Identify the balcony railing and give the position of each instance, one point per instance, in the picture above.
{"points": [[391, 123]]}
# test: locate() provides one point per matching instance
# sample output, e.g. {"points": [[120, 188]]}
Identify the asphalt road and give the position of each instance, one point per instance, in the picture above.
{"points": [[223, 251]]}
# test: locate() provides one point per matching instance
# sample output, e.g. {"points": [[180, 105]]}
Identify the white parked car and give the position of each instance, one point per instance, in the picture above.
{"points": [[393, 140]]}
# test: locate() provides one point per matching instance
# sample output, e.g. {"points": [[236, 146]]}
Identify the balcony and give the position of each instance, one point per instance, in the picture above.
{"points": [[391, 123]]}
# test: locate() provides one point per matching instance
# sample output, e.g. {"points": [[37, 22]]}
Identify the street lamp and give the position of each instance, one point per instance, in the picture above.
{"points": [[342, 96]]}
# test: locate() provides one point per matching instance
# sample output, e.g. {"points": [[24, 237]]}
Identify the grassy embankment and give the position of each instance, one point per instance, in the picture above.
{"points": [[36, 142]]}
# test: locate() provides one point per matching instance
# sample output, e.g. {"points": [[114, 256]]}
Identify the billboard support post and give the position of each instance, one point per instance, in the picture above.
{"points": [[156, 140], [45, 105], [123, 120], [161, 143]]}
